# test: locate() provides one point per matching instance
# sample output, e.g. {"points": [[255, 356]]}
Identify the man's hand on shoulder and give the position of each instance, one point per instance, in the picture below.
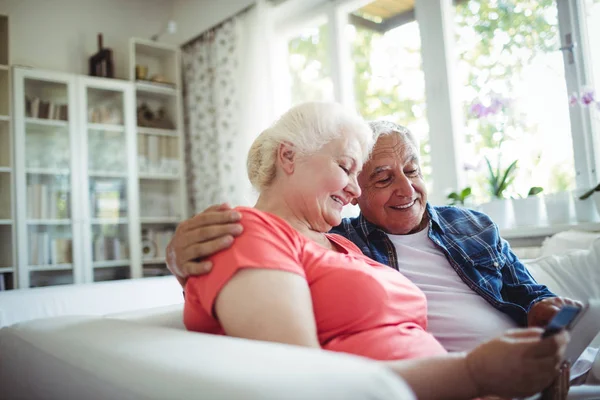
{"points": [[542, 312], [200, 237]]}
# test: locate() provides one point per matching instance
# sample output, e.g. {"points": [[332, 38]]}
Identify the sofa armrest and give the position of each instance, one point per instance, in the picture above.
{"points": [[100, 358]]}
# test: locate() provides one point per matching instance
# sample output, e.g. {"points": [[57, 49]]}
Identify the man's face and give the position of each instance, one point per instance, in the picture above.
{"points": [[393, 191]]}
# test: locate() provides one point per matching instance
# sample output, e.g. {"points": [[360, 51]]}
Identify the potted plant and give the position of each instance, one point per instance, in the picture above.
{"points": [[499, 180], [584, 204], [459, 198], [527, 209]]}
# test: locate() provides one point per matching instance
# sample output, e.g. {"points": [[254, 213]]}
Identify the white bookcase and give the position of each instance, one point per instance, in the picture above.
{"points": [[156, 73], [76, 179], [8, 258]]}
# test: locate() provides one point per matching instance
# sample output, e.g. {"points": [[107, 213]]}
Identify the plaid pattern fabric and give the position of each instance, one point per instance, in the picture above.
{"points": [[474, 248]]}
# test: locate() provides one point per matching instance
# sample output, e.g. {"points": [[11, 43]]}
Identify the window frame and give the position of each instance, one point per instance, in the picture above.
{"points": [[436, 25]]}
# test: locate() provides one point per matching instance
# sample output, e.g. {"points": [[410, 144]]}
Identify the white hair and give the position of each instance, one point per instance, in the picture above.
{"points": [[383, 128], [307, 127]]}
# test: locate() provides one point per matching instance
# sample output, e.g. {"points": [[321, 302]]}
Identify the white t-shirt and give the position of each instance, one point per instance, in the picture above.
{"points": [[458, 317]]}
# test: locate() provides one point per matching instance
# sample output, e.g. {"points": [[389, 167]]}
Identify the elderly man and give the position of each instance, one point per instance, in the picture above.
{"points": [[475, 285]]}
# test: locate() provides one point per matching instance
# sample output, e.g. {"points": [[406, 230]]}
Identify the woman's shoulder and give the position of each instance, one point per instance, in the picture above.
{"points": [[253, 219]]}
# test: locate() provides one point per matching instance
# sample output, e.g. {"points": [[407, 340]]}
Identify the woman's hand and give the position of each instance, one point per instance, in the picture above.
{"points": [[519, 363], [199, 237]]}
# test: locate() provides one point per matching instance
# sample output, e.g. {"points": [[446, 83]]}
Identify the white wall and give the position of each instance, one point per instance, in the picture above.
{"points": [[60, 35], [195, 16]]}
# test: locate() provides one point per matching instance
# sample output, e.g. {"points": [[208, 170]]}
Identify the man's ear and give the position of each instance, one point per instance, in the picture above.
{"points": [[286, 157], [354, 201]]}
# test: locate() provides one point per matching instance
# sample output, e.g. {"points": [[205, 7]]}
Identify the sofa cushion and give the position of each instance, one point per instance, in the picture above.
{"points": [[89, 299], [575, 274], [101, 358]]}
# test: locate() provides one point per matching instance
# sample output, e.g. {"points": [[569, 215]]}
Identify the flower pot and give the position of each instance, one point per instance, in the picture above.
{"points": [[499, 211], [585, 210], [527, 211], [558, 208], [596, 197]]}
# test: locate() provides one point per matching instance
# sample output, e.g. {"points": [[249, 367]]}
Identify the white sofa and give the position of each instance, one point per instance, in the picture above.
{"points": [[141, 350]]}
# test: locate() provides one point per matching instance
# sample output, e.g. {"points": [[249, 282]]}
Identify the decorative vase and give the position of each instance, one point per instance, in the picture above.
{"points": [[596, 197], [585, 210], [499, 211], [558, 208], [527, 211]]}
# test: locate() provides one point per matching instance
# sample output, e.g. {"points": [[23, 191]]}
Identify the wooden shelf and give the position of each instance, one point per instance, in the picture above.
{"points": [[4, 118], [160, 220], [111, 263], [548, 230], [155, 260], [48, 171], [4, 67], [110, 221], [156, 89], [47, 122], [6, 221], [106, 174], [48, 222], [160, 177], [158, 132], [106, 127], [5, 169], [51, 267], [4, 270]]}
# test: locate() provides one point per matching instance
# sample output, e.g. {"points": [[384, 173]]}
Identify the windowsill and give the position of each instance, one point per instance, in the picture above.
{"points": [[547, 230]]}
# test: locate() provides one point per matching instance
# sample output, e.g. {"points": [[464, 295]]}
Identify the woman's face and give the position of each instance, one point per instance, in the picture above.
{"points": [[324, 182]]}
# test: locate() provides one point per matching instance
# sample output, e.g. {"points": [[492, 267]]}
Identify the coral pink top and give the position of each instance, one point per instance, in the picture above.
{"points": [[360, 306]]}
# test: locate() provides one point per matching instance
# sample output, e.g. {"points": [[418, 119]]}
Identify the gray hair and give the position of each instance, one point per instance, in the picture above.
{"points": [[383, 128], [307, 127]]}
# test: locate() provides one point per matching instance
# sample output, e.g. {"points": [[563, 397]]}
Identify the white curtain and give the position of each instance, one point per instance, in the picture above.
{"points": [[227, 104]]}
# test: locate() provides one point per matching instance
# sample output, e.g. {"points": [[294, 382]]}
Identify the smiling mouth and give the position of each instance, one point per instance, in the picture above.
{"points": [[404, 206], [338, 200]]}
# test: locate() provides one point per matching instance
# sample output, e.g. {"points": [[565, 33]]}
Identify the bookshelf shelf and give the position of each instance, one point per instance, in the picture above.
{"points": [[54, 123], [48, 171], [5, 169], [6, 221], [48, 222], [148, 88], [111, 263], [4, 270], [107, 174], [106, 127], [155, 260], [4, 67], [157, 132], [110, 221], [160, 220], [160, 177], [4, 118], [51, 267]]}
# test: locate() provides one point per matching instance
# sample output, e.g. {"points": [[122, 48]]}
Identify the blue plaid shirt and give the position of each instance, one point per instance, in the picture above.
{"points": [[474, 248]]}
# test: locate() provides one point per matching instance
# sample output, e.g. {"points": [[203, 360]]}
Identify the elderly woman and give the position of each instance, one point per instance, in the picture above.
{"points": [[286, 280]]}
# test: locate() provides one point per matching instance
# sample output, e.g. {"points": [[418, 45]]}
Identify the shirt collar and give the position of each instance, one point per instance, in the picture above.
{"points": [[368, 228]]}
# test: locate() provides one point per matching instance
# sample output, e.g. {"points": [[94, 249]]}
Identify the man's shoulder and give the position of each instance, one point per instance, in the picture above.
{"points": [[462, 220], [348, 226]]}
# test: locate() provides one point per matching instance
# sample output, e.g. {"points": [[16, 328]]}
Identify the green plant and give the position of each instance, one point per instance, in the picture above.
{"points": [[590, 192], [499, 180], [459, 198], [534, 191]]}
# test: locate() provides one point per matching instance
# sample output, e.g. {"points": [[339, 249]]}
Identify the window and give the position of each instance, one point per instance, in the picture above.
{"points": [[309, 65], [389, 82], [514, 94]]}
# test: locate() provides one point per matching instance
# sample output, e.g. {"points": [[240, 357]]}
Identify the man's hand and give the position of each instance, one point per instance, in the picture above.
{"points": [[199, 237], [542, 312], [519, 363]]}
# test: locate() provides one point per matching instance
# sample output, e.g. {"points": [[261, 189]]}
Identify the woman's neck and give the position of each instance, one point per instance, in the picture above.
{"points": [[275, 203]]}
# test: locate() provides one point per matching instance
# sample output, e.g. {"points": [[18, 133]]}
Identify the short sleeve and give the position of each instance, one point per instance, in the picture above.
{"points": [[266, 243]]}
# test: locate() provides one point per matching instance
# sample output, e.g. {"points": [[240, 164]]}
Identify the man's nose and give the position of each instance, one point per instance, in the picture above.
{"points": [[404, 186]]}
